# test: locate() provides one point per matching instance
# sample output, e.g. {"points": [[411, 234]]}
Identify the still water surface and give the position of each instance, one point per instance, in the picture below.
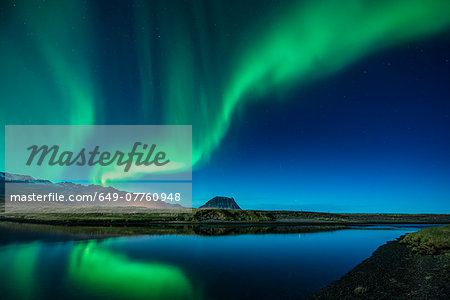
{"points": [[36, 265]]}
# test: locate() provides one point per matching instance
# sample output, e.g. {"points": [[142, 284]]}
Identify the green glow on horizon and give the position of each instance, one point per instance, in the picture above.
{"points": [[52, 48]]}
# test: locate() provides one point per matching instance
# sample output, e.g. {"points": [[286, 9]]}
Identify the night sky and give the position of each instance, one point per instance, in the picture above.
{"points": [[339, 106]]}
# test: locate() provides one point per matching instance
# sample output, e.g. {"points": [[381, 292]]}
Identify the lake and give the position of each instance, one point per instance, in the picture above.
{"points": [[46, 265]]}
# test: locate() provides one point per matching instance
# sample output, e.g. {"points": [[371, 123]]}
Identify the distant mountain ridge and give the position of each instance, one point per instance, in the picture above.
{"points": [[221, 203], [40, 186], [7, 177]]}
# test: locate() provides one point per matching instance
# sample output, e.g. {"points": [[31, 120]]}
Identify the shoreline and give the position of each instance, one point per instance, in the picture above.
{"points": [[223, 217], [143, 223], [98, 232], [394, 271]]}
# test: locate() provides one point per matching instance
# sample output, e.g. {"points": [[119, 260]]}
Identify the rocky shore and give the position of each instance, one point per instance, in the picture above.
{"points": [[396, 270]]}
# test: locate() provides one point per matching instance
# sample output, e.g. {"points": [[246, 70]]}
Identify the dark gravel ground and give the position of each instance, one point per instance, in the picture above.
{"points": [[394, 272]]}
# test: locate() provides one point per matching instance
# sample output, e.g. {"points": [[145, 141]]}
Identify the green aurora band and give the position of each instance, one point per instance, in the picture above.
{"points": [[192, 75], [118, 277], [95, 268]]}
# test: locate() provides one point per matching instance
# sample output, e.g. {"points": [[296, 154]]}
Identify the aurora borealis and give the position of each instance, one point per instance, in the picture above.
{"points": [[215, 65], [93, 268]]}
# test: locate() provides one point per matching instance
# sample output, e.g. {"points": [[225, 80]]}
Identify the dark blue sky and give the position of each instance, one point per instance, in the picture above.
{"points": [[373, 137], [370, 137]]}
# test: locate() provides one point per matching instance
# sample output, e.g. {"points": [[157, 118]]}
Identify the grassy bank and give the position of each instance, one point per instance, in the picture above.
{"points": [[130, 216], [433, 240], [415, 268]]}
